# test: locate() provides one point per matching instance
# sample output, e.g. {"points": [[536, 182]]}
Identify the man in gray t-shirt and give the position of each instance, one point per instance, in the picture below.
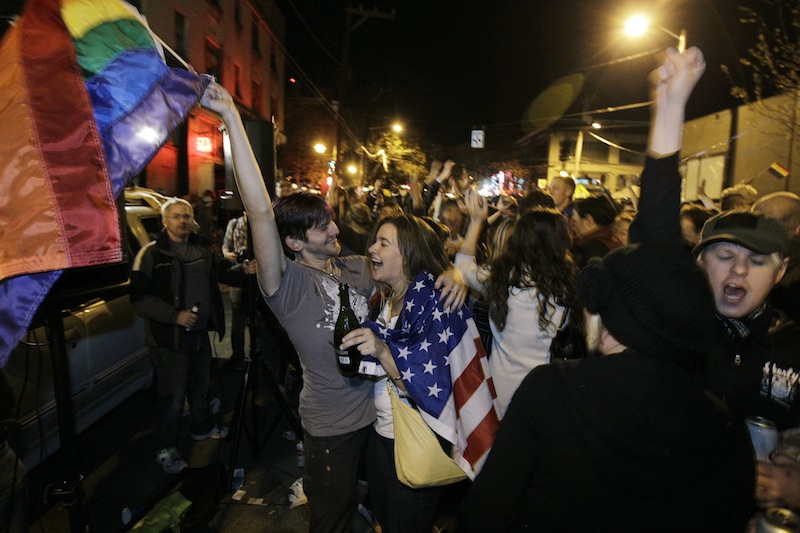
{"points": [[335, 411]]}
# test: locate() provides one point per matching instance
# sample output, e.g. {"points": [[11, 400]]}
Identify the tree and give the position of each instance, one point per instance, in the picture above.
{"points": [[774, 61], [395, 157], [774, 66]]}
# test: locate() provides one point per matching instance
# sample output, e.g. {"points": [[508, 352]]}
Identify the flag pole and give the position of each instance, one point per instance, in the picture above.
{"points": [[175, 54]]}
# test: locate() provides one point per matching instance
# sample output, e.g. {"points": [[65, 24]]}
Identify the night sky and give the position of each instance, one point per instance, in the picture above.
{"points": [[446, 66]]}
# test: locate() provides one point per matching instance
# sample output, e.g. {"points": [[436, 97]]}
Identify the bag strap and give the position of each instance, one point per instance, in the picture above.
{"points": [[411, 402]]}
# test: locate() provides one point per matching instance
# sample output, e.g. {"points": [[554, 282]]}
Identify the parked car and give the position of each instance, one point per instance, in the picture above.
{"points": [[108, 360]]}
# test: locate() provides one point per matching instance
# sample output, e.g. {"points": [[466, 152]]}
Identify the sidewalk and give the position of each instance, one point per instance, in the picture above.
{"points": [[117, 460]]}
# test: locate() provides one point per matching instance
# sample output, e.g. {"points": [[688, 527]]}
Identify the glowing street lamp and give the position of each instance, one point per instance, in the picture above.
{"points": [[638, 24], [397, 127], [352, 169], [320, 148]]}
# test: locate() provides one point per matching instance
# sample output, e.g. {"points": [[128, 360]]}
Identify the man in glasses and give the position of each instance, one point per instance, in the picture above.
{"points": [[174, 286]]}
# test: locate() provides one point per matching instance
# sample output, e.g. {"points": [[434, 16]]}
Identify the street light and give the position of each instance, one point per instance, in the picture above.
{"points": [[320, 148], [638, 24]]}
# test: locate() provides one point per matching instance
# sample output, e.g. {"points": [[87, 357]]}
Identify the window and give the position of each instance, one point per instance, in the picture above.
{"points": [[255, 89], [254, 36], [237, 80], [181, 33], [273, 59], [237, 13], [213, 60], [273, 110]]}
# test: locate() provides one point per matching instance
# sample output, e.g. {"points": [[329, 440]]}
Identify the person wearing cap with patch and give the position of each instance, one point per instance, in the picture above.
{"points": [[754, 363], [753, 360], [632, 437]]}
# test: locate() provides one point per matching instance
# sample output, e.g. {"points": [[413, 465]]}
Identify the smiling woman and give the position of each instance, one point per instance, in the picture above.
{"points": [[422, 346]]}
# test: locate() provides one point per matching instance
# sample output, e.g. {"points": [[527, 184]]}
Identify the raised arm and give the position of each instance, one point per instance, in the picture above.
{"points": [[266, 239], [658, 219], [672, 83], [477, 209]]}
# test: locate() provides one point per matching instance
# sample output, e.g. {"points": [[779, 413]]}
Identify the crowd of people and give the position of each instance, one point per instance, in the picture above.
{"points": [[686, 311]]}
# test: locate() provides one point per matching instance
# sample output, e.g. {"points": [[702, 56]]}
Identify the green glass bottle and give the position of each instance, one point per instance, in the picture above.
{"points": [[348, 360]]}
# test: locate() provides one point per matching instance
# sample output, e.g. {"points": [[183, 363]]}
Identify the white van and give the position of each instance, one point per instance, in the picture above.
{"points": [[108, 360]]}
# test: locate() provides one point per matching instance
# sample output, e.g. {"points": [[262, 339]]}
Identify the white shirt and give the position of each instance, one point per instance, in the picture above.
{"points": [[384, 424], [522, 345]]}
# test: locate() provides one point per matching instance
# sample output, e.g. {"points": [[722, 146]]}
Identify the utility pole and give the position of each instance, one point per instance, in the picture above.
{"points": [[344, 71]]}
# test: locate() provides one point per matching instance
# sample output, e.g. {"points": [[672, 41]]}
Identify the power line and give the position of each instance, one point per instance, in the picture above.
{"points": [[313, 35]]}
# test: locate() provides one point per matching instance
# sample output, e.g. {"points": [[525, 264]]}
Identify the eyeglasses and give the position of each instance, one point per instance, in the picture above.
{"points": [[180, 217]]}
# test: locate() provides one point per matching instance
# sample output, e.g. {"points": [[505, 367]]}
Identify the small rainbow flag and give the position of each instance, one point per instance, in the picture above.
{"points": [[87, 102], [778, 170]]}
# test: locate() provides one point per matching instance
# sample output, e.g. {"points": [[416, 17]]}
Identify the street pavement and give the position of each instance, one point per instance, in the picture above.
{"points": [[122, 481]]}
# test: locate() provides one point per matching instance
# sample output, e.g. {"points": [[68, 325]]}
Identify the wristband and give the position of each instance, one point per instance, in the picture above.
{"points": [[398, 378]]}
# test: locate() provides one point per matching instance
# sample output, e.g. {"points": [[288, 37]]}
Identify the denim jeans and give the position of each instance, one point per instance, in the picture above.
{"points": [[183, 374], [398, 508], [330, 479]]}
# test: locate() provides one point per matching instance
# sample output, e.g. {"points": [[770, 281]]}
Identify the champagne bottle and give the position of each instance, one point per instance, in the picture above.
{"points": [[347, 360]]}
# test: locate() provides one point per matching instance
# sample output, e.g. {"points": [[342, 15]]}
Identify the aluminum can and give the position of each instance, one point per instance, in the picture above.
{"points": [[764, 436], [777, 520]]}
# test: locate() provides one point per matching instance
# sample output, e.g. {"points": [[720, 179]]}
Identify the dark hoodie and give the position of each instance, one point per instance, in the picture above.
{"points": [[623, 442], [754, 366]]}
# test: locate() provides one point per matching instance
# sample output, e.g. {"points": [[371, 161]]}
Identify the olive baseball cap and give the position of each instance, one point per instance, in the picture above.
{"points": [[752, 230]]}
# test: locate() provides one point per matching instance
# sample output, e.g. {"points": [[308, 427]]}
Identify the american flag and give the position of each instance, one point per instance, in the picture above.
{"points": [[444, 368]]}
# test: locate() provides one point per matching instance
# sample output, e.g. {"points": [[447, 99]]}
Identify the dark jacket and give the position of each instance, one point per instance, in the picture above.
{"points": [[754, 366], [622, 442], [157, 294]]}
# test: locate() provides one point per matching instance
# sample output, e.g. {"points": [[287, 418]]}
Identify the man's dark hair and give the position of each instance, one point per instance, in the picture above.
{"points": [[299, 212], [697, 213], [600, 206], [535, 198]]}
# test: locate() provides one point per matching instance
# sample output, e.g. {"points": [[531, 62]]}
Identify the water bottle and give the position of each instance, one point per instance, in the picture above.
{"points": [[301, 454]]}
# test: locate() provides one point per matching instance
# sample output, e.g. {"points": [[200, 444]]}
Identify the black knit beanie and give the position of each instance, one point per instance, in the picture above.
{"points": [[653, 299]]}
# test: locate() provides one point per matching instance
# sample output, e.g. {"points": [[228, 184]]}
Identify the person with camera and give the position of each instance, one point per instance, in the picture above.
{"points": [[235, 272]]}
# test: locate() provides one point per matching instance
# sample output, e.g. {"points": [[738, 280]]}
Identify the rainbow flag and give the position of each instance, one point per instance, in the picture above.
{"points": [[87, 102], [778, 170]]}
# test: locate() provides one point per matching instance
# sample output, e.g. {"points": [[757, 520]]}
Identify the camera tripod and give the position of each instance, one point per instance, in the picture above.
{"points": [[255, 367]]}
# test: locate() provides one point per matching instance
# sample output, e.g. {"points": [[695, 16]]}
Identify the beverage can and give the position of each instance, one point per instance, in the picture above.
{"points": [[778, 520], [764, 436]]}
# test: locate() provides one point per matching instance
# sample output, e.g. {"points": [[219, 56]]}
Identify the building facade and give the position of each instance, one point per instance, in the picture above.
{"points": [[241, 43]]}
